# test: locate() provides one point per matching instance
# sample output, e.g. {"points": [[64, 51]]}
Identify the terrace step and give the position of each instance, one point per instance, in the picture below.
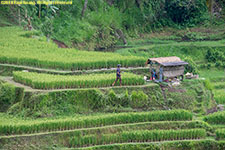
{"points": [[180, 125], [29, 89], [91, 128], [67, 72], [133, 143]]}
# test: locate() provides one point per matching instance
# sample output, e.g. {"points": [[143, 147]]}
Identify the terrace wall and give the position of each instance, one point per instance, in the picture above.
{"points": [[191, 95]]}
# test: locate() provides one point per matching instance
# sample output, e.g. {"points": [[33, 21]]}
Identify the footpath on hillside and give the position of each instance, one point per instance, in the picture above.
{"points": [[29, 89], [53, 71]]}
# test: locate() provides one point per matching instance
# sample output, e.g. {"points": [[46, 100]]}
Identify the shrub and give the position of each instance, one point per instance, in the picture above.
{"points": [[215, 118], [138, 99], [220, 134], [208, 84], [191, 67]]}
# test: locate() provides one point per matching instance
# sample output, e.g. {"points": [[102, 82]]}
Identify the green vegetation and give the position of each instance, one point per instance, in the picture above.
{"points": [[49, 114], [138, 136], [220, 96], [220, 134], [216, 78], [170, 145], [103, 23], [215, 118], [17, 49], [73, 123], [9, 95], [46, 81]]}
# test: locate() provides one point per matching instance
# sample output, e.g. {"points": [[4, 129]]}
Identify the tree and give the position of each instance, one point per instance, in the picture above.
{"points": [[84, 8]]}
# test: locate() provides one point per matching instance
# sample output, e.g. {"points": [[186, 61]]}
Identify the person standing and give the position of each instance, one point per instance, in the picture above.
{"points": [[118, 75]]}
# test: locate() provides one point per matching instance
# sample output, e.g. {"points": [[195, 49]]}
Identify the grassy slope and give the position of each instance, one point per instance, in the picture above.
{"points": [[217, 78]]}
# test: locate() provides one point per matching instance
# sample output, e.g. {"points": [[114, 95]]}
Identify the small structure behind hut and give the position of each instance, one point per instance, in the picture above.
{"points": [[166, 67]]}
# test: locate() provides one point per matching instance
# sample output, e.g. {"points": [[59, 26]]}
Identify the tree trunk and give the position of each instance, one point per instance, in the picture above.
{"points": [[121, 35], [39, 11], [84, 8], [19, 17], [211, 7]]}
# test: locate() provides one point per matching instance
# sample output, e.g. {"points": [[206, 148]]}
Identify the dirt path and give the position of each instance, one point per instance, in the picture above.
{"points": [[29, 89]]}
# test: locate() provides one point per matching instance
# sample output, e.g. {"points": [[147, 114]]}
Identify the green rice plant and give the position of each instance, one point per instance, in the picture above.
{"points": [[159, 125], [219, 85], [201, 144], [93, 121], [215, 118], [219, 96], [33, 52], [220, 134], [49, 81], [138, 136]]}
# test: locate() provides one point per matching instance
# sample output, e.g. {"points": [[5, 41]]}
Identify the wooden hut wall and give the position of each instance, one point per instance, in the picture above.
{"points": [[173, 71]]}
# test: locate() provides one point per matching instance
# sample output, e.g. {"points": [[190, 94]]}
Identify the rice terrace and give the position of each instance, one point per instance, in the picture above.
{"points": [[113, 75]]}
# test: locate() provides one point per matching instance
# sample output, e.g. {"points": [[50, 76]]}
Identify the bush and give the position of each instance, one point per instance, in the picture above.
{"points": [[208, 84], [138, 99], [191, 67], [9, 95], [214, 56], [220, 134]]}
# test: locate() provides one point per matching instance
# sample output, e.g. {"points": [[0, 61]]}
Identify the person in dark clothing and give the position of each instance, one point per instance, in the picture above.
{"points": [[118, 75]]}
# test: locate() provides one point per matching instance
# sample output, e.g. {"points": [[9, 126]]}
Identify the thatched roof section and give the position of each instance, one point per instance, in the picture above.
{"points": [[161, 60], [180, 63]]}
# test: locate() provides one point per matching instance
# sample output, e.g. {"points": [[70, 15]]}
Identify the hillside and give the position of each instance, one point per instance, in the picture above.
{"points": [[58, 64]]}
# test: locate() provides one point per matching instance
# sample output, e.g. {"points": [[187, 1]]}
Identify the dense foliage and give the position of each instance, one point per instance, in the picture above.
{"points": [[220, 134], [105, 22], [215, 57], [186, 11]]}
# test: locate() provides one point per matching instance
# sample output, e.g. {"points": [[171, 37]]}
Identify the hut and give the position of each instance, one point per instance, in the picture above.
{"points": [[167, 67]]}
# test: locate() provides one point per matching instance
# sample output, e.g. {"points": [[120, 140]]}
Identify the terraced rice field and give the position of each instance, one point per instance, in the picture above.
{"points": [[24, 127], [47, 81], [108, 129], [17, 48]]}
